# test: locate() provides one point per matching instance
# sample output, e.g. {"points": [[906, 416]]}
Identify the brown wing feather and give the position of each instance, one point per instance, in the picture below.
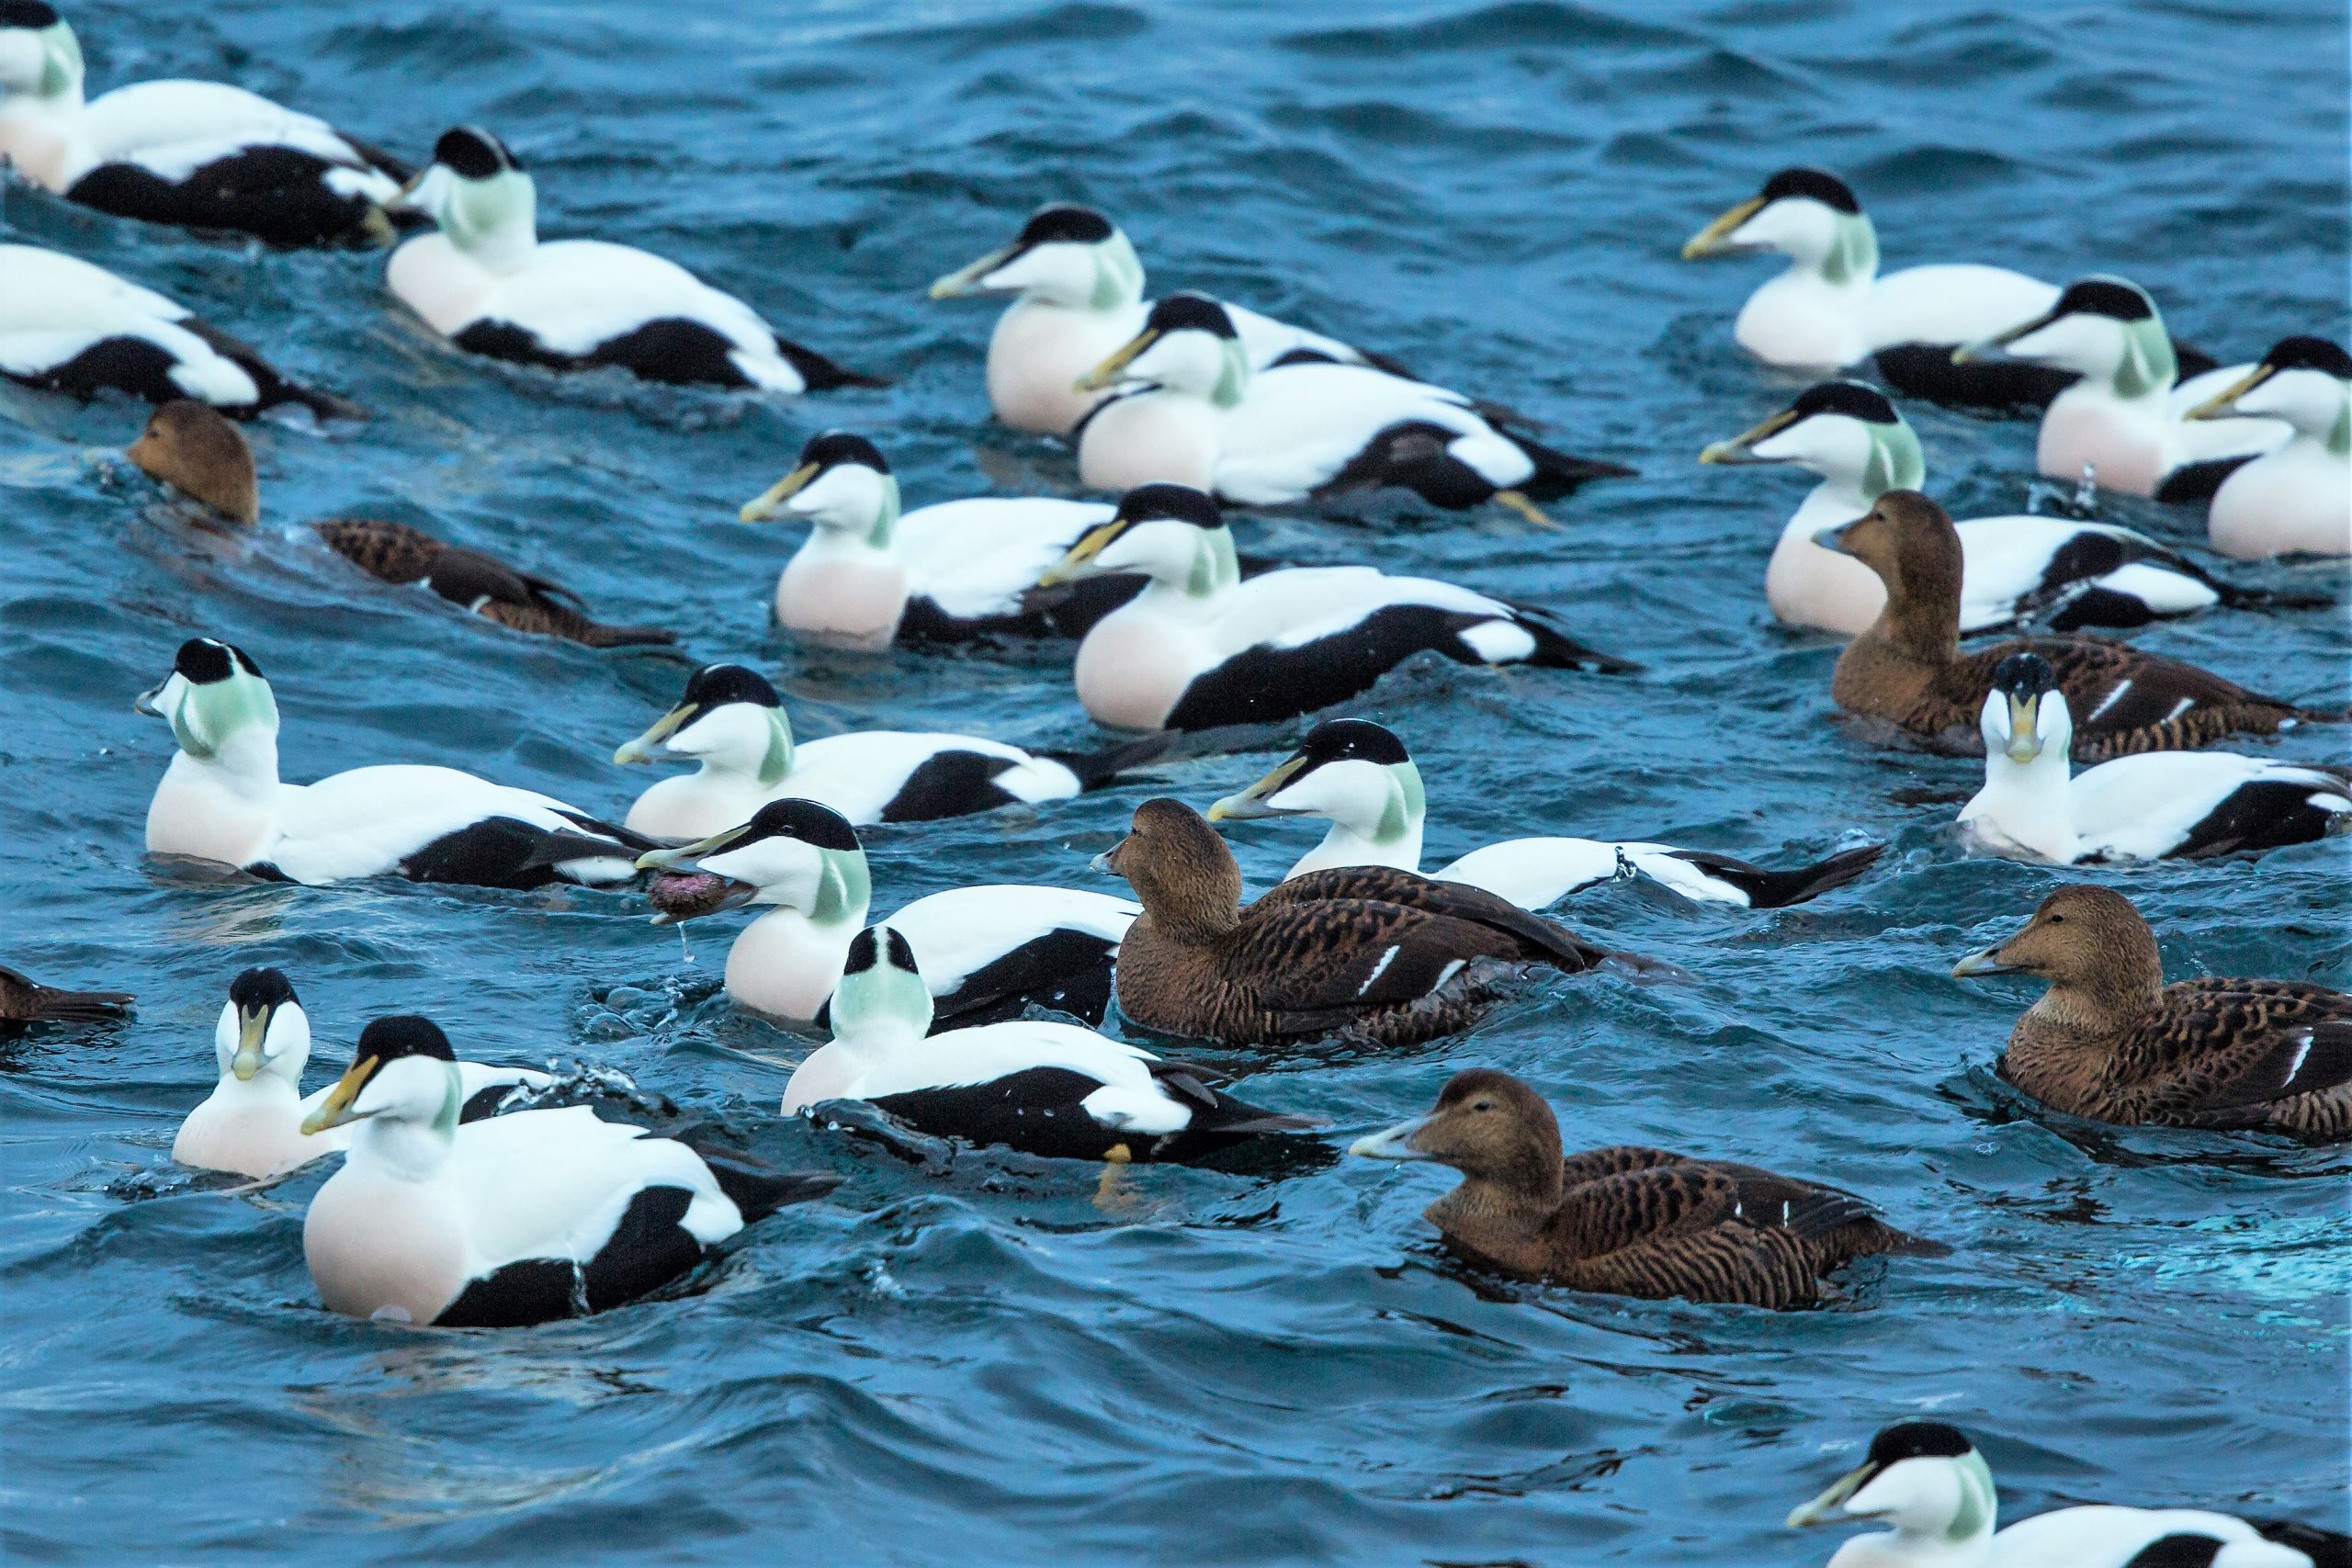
{"points": [[1536, 939], [2125, 701], [472, 580], [2241, 1051], [392, 551], [1353, 956]]}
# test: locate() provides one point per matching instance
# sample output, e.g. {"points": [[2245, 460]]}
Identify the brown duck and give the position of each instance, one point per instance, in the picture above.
{"points": [[1906, 667], [1627, 1221], [192, 448], [26, 1000], [1386, 956], [2111, 1041]]}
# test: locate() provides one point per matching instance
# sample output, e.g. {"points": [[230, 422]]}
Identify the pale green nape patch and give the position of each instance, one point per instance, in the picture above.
{"points": [[2149, 364], [1233, 378], [1978, 1506], [1853, 252], [453, 1103], [886, 520], [209, 716], [60, 61], [777, 763], [2339, 434], [1406, 801], [1118, 272], [844, 888], [1215, 567], [884, 997], [479, 211], [1895, 462]]}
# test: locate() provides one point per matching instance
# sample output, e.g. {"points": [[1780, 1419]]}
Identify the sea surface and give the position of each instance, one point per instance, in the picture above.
{"points": [[965, 1357]]}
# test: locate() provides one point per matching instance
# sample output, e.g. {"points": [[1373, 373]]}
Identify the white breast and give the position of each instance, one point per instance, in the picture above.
{"points": [[695, 805], [849, 600], [1038, 352], [1800, 320], [212, 814], [2296, 500], [1135, 663], [252, 1128], [785, 965], [1149, 438], [380, 1245]]}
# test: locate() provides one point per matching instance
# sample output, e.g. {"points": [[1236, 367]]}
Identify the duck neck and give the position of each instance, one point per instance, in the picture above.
{"points": [[768, 767], [245, 763], [495, 221], [1384, 831], [1211, 573], [1498, 1215], [2098, 1004], [2338, 439], [408, 1149], [2030, 804], [1851, 260]]}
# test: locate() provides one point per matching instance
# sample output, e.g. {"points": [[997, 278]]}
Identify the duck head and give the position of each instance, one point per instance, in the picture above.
{"points": [[730, 719], [195, 450], [1188, 345], [1353, 772], [1187, 880], [1171, 533], [40, 56], [1807, 215], [479, 194], [2102, 328], [881, 990], [2082, 937], [215, 698], [840, 484], [2307, 381], [1488, 1125], [795, 854], [1066, 254], [1847, 432], [1922, 1477], [2025, 717], [263, 1028], [401, 1071]]}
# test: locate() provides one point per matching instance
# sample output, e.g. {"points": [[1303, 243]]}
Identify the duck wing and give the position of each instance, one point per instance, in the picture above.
{"points": [[2125, 701], [2237, 1048], [25, 1000], [1537, 937]]}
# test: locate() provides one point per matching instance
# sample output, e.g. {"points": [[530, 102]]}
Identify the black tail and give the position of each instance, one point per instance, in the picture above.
{"points": [[1555, 650], [757, 1189], [1557, 474], [821, 374], [2326, 1548], [80, 1007], [1095, 769], [1778, 890], [594, 634]]}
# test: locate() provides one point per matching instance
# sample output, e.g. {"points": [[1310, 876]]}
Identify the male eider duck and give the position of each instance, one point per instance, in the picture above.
{"points": [[1831, 308], [2059, 572], [1359, 775], [1077, 295], [1626, 1220], [221, 800], [1200, 647], [520, 1219], [1030, 1084], [731, 721], [2155, 806], [190, 447], [867, 576], [251, 1122], [25, 1000], [1926, 1481], [69, 327], [2295, 499], [1193, 412], [1907, 668], [2125, 423], [487, 284], [988, 953], [1375, 954], [2113, 1042], [200, 154]]}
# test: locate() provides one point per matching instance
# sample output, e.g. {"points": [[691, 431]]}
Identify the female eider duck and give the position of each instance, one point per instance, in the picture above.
{"points": [[520, 1219], [221, 800], [1359, 775], [731, 721], [2155, 806], [69, 327], [868, 577], [25, 1000], [1926, 1481], [1907, 668], [1077, 295], [1030, 1084], [1375, 954], [2124, 423], [192, 449], [988, 953], [1193, 412], [2113, 1042], [251, 1122], [1626, 1220], [487, 284], [2059, 572], [200, 154], [1831, 308], [1200, 647], [2295, 499]]}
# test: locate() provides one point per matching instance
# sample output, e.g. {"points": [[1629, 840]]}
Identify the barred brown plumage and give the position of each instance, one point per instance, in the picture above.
{"points": [[1908, 668], [2111, 1041], [1627, 1220]]}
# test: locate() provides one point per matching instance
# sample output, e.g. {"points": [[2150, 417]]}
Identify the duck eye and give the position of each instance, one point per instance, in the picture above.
{"points": [[1484, 1105], [2057, 919]]}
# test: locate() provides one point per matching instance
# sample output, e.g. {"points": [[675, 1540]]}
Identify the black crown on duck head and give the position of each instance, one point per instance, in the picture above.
{"points": [[471, 152]]}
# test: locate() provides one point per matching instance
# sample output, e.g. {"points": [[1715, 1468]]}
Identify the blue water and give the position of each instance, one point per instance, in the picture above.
{"points": [[980, 1359]]}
